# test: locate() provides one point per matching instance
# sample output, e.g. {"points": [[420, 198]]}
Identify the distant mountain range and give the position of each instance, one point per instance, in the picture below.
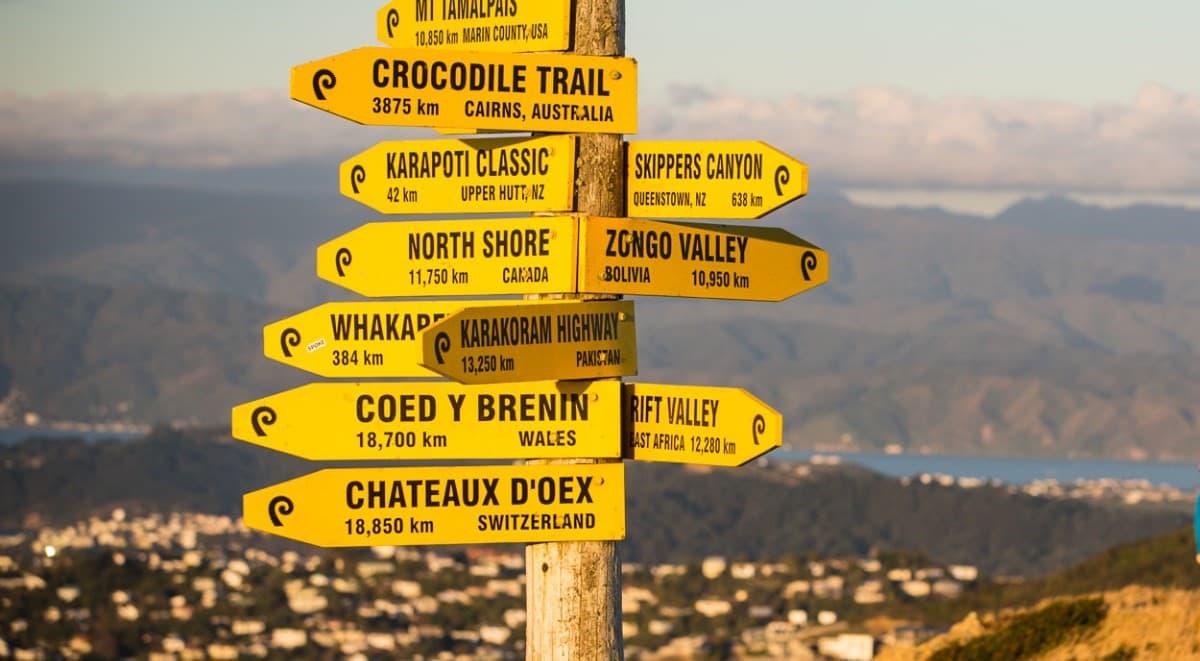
{"points": [[674, 513], [1053, 329]]}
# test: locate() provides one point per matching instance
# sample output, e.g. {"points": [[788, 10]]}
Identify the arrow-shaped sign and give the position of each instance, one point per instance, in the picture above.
{"points": [[565, 254], [469, 89], [436, 420], [360, 339], [653, 258], [454, 257], [410, 506], [484, 175], [511, 27], [738, 180], [549, 340], [697, 425]]}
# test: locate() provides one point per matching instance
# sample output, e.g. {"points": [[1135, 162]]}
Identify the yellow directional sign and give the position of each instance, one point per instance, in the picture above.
{"points": [[506, 26], [487, 175], [469, 89], [454, 257], [550, 340], [360, 339], [736, 179], [411, 506], [697, 425], [437, 420], [652, 258]]}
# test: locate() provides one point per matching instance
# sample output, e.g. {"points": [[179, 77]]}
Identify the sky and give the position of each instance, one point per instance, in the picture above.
{"points": [[959, 99]]}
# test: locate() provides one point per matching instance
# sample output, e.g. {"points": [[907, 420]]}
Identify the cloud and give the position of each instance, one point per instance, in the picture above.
{"points": [[874, 136], [887, 137], [193, 131]]}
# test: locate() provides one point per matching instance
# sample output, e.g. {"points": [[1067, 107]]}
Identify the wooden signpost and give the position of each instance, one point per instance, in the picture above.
{"points": [[534, 379]]}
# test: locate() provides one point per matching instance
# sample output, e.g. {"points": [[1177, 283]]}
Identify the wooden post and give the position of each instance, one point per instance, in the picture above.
{"points": [[573, 589]]}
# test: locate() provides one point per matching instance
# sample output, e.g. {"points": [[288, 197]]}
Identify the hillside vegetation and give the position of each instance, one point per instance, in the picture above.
{"points": [[1054, 329]]}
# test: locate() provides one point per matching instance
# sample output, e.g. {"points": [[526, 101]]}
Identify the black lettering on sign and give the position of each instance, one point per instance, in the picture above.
{"points": [[638, 244], [415, 493], [454, 75], [549, 491], [396, 408], [388, 326], [572, 81]]}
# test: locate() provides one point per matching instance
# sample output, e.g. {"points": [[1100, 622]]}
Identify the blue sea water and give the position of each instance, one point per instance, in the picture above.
{"points": [[1012, 470]]}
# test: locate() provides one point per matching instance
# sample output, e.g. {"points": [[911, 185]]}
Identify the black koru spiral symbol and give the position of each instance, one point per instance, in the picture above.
{"points": [[393, 21], [290, 337], [342, 259], [358, 174], [323, 80], [808, 261], [760, 426], [279, 505], [263, 415], [441, 343], [782, 176]]}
